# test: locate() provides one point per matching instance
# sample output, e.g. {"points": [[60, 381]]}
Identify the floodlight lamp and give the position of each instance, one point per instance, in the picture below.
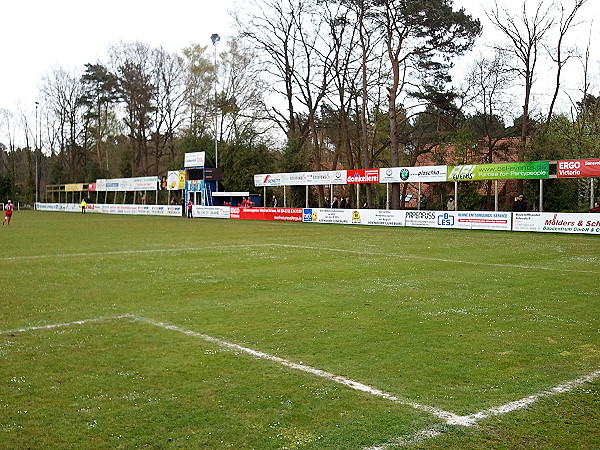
{"points": [[215, 38]]}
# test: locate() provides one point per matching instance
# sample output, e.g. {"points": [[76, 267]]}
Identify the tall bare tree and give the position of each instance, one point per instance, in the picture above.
{"points": [[420, 38], [525, 32], [564, 25]]}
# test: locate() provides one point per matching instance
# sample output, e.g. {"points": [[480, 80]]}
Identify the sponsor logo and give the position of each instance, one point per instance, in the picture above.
{"points": [[462, 172], [270, 179], [388, 172], [404, 174], [355, 217], [430, 215], [308, 215], [569, 164], [363, 176], [445, 220]]}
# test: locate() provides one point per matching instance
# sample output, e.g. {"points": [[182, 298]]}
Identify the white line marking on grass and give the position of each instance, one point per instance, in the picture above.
{"points": [[305, 247], [472, 419], [429, 258], [130, 252], [447, 416], [409, 441], [65, 324], [524, 402]]}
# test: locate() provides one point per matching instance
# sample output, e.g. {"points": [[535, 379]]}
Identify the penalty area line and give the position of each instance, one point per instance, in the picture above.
{"points": [[450, 419], [65, 324], [446, 416], [472, 419]]}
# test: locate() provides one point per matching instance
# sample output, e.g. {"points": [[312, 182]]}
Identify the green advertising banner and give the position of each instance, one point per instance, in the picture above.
{"points": [[505, 171]]}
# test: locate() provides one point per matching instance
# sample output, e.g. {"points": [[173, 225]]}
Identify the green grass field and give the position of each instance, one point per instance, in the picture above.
{"points": [[149, 332]]}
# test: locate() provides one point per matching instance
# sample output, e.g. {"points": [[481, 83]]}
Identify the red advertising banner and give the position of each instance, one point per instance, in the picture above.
{"points": [[284, 214], [361, 176], [574, 168]]}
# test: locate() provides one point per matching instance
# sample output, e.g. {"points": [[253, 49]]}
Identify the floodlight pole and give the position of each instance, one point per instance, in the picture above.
{"points": [[216, 38], [36, 152]]}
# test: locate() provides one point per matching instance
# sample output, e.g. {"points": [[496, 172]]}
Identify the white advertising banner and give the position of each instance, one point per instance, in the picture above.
{"points": [[326, 177], [385, 217], [212, 212], [322, 178], [268, 179], [175, 180], [588, 223], [194, 159], [327, 215], [423, 174], [127, 184], [101, 185], [470, 220], [421, 219], [294, 179], [62, 207], [392, 218], [482, 220], [149, 210]]}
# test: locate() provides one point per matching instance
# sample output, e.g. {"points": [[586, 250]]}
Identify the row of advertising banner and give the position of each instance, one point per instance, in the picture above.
{"points": [[125, 184], [434, 174], [587, 223], [176, 179], [135, 210]]}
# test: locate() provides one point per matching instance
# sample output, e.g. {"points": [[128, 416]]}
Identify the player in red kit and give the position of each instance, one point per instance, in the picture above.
{"points": [[8, 210]]}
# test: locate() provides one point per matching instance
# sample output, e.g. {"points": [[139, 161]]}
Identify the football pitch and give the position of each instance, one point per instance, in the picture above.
{"points": [[152, 332]]}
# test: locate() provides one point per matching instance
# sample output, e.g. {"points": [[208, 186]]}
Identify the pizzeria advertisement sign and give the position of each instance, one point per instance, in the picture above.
{"points": [[417, 174], [506, 171]]}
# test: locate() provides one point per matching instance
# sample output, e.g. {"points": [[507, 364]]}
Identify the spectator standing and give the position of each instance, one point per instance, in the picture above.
{"points": [[274, 202], [83, 204], [326, 203], [451, 205], [520, 205], [596, 208], [423, 202], [343, 203], [190, 204]]}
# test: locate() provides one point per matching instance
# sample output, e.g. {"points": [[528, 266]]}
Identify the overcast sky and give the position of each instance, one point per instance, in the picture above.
{"points": [[37, 35]]}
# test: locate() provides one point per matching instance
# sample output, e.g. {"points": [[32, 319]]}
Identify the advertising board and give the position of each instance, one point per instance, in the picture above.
{"points": [[423, 174], [281, 214], [362, 176], [213, 212], [194, 159], [505, 171], [574, 168], [175, 180], [268, 179], [587, 223], [326, 177], [385, 217], [471, 220], [327, 215]]}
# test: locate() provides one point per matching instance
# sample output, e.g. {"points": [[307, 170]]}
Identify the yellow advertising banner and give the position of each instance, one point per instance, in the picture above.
{"points": [[74, 187]]}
